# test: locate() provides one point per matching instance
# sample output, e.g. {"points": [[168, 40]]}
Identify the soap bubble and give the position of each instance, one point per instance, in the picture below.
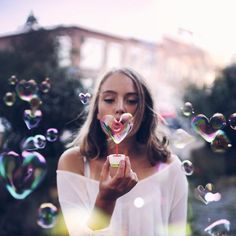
{"points": [[202, 126], [22, 174], [187, 167], [12, 80], [52, 134], [181, 138], [218, 228], [218, 121], [9, 98], [232, 121], [45, 86], [26, 89], [187, 109], [221, 143], [47, 215], [85, 98]]}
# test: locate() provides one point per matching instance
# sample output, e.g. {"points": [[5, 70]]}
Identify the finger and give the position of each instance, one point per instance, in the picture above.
{"points": [[127, 166], [105, 173], [133, 179]]}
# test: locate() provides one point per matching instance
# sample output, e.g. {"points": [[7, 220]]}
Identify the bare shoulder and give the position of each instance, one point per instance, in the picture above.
{"points": [[72, 161]]}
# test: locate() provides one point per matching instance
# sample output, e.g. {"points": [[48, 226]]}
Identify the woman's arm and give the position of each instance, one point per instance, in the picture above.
{"points": [[80, 217], [178, 212], [110, 189]]}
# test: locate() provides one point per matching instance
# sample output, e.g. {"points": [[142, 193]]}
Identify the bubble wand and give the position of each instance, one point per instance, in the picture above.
{"points": [[117, 130]]}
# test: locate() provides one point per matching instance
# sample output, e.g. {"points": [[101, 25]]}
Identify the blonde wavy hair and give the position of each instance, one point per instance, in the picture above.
{"points": [[93, 141]]}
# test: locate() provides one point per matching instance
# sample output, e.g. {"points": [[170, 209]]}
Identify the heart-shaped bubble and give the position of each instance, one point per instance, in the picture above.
{"points": [[219, 228], [221, 142], [180, 138], [205, 194], [22, 174], [117, 130], [32, 119], [84, 98], [202, 126]]}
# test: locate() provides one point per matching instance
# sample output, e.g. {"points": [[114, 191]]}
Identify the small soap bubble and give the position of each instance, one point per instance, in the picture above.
{"points": [[218, 121], [12, 80], [187, 109], [47, 215], [9, 99], [138, 202], [85, 98], [26, 89], [52, 134], [45, 86], [40, 141], [187, 167], [5, 131], [232, 121], [35, 102]]}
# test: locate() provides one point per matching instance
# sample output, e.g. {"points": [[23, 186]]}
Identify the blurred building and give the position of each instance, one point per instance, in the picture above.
{"points": [[169, 65]]}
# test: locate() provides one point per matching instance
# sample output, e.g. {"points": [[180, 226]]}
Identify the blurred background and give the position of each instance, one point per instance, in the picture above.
{"points": [[52, 53]]}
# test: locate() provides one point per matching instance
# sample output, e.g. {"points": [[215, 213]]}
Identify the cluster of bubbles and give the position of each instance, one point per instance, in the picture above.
{"points": [[39, 141], [211, 130], [23, 173]]}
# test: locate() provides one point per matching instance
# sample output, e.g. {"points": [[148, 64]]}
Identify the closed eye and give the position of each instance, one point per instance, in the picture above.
{"points": [[108, 100], [132, 101]]}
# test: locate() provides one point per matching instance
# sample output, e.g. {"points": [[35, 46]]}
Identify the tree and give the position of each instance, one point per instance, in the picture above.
{"points": [[34, 56], [220, 98]]}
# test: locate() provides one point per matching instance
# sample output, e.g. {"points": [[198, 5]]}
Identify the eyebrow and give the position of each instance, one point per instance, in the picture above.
{"points": [[111, 91]]}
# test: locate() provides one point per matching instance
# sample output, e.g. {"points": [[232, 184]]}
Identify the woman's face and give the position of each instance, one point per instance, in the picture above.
{"points": [[117, 95]]}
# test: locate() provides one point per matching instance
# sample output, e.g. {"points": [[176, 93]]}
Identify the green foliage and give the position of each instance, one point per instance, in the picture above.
{"points": [[219, 98], [34, 56]]}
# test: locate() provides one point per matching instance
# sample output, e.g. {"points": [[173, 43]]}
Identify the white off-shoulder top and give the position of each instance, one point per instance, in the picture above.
{"points": [[156, 206]]}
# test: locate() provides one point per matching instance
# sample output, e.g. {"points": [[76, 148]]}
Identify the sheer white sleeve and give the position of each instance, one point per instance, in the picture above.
{"points": [[178, 212], [76, 204]]}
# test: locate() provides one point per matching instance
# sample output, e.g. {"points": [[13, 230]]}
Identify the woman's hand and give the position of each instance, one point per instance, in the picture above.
{"points": [[111, 188]]}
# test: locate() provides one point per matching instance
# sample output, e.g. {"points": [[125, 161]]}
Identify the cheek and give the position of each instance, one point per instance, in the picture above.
{"points": [[101, 112]]}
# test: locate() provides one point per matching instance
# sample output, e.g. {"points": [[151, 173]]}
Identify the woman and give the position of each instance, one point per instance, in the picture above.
{"points": [[99, 200]]}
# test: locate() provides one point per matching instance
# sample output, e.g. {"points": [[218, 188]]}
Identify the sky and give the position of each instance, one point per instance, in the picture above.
{"points": [[210, 22]]}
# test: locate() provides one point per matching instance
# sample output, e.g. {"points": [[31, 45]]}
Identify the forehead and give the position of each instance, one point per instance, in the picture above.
{"points": [[118, 82]]}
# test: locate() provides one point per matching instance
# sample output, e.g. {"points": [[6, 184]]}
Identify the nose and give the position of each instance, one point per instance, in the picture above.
{"points": [[120, 108]]}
